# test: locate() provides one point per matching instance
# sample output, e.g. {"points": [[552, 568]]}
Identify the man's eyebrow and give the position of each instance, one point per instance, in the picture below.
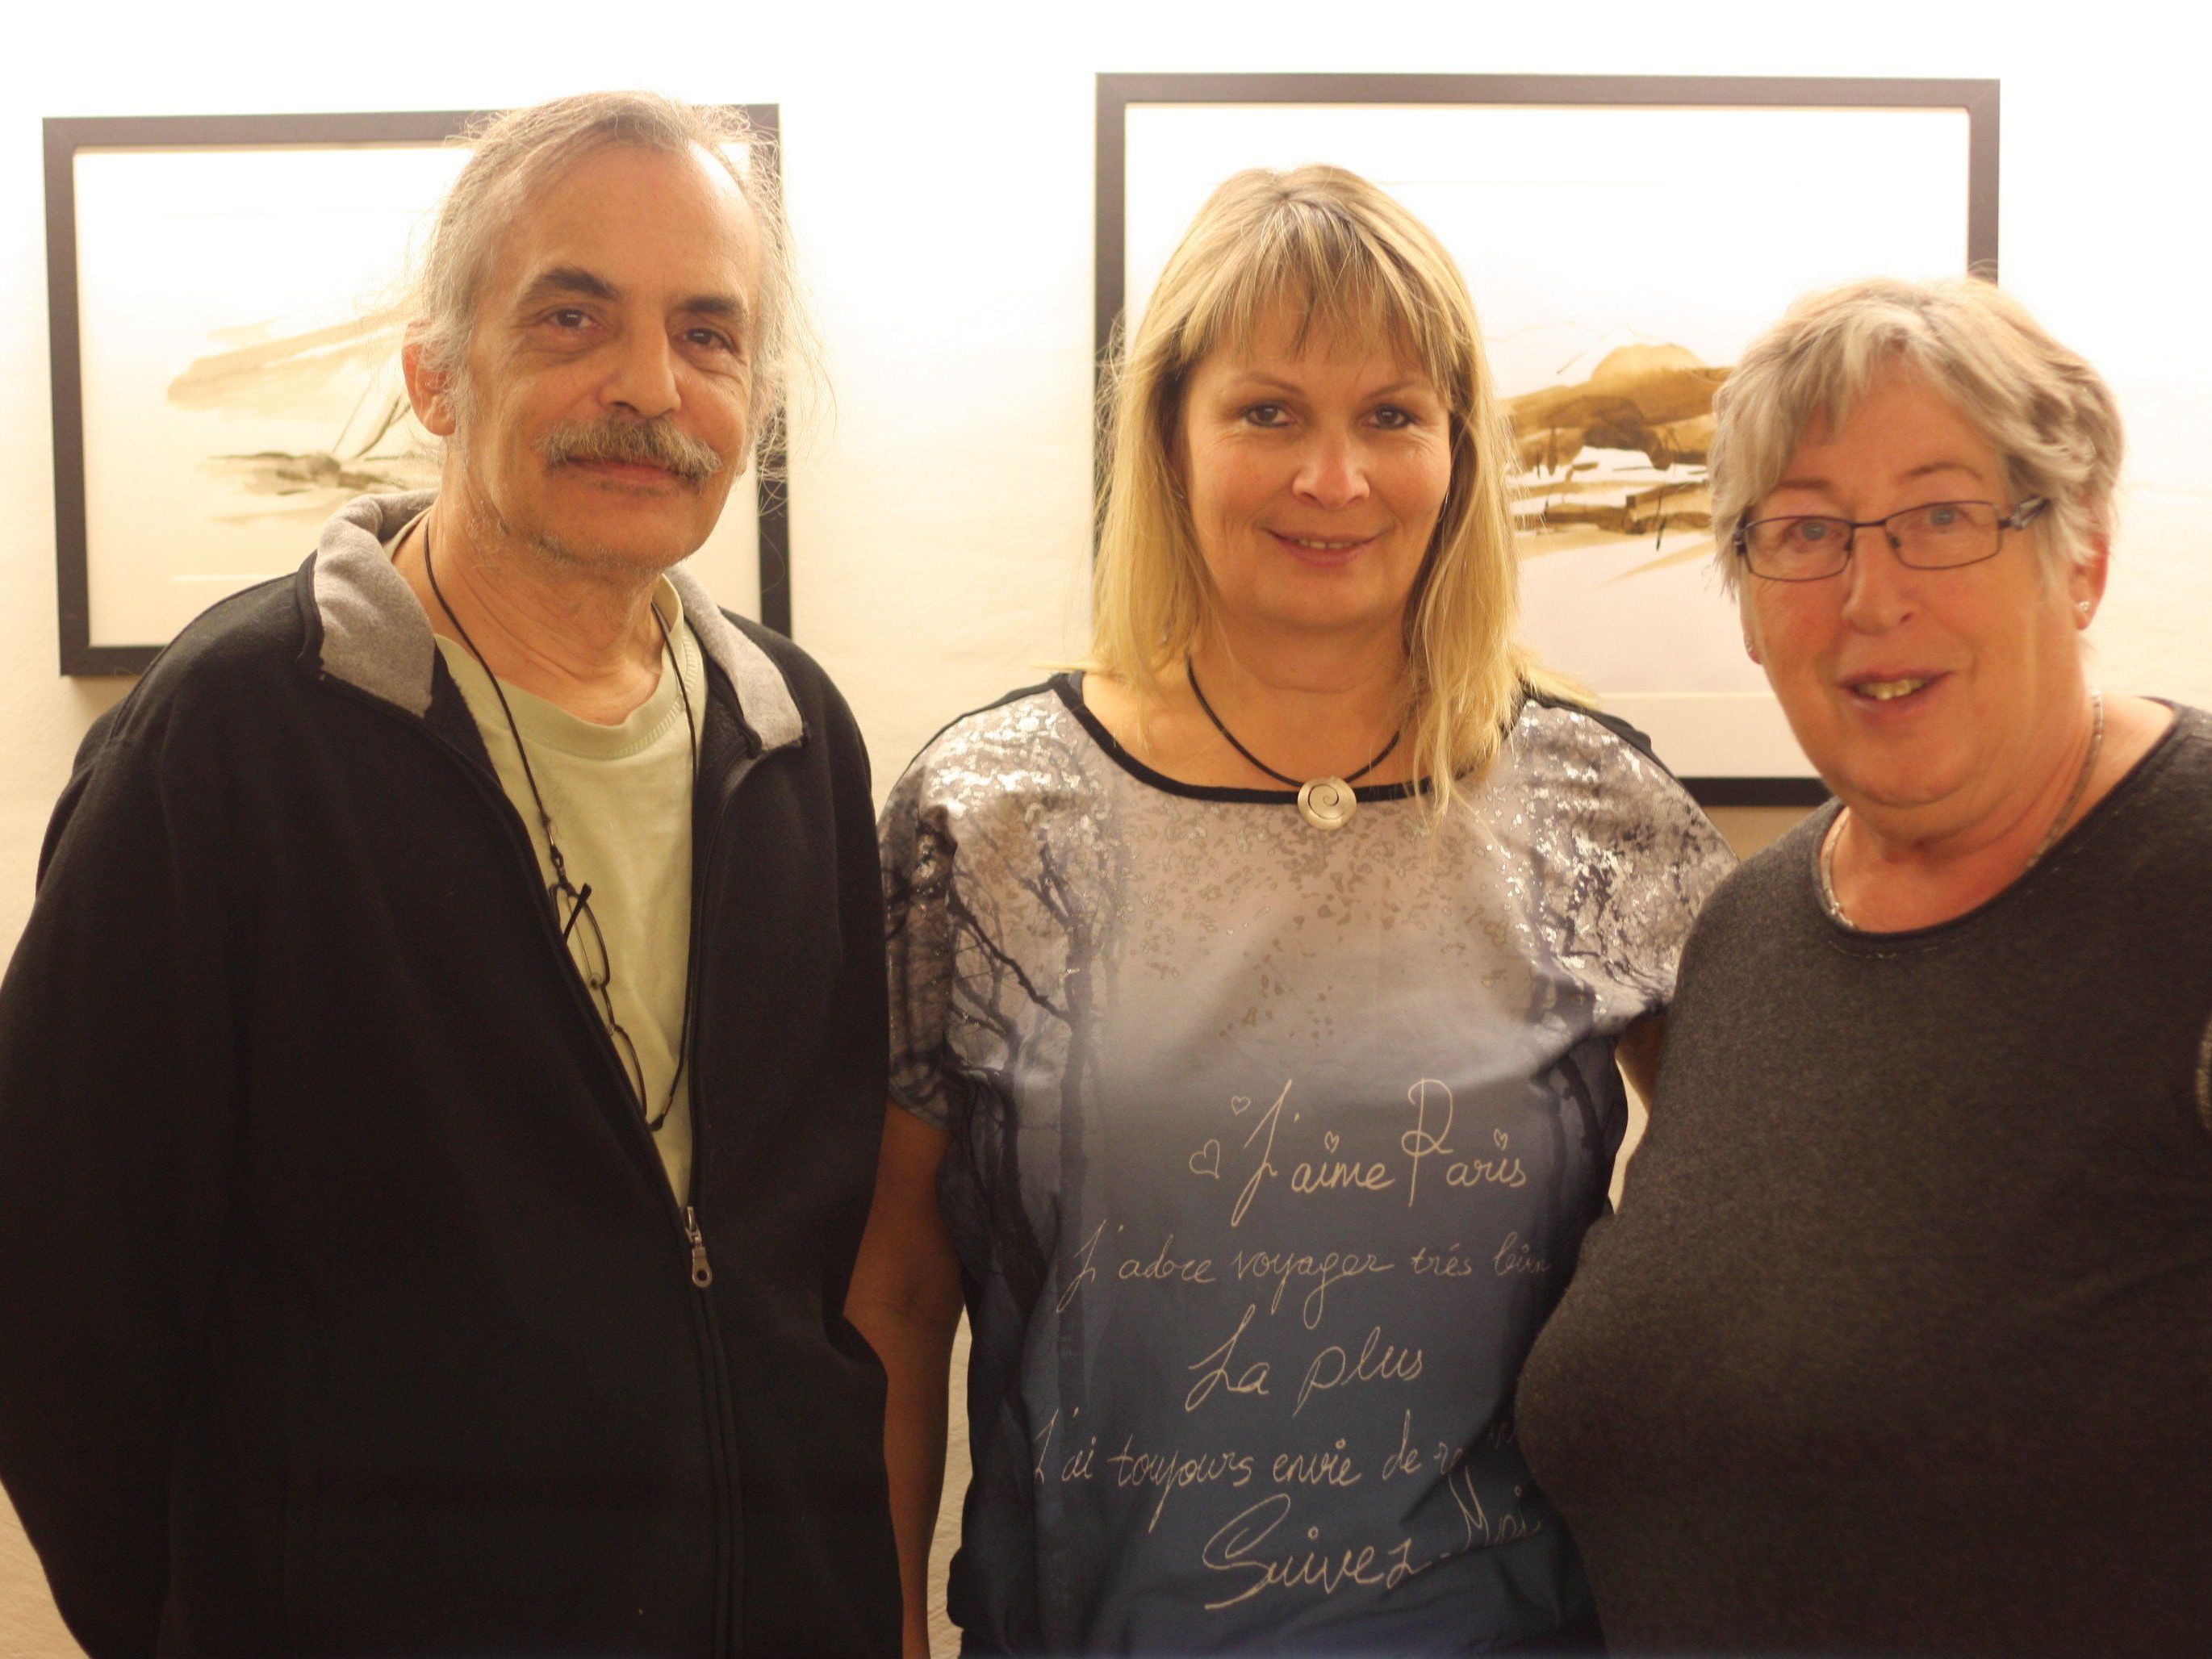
{"points": [[556, 281], [561, 282], [714, 304]]}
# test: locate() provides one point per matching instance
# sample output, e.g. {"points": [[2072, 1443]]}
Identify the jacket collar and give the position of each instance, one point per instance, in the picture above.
{"points": [[370, 633]]}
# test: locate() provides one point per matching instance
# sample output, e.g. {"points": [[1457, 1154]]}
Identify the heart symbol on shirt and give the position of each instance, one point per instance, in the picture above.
{"points": [[1207, 1160], [1240, 1105], [1498, 1135], [1329, 1140]]}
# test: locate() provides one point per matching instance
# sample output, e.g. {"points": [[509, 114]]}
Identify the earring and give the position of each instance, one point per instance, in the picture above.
{"points": [[2082, 605]]}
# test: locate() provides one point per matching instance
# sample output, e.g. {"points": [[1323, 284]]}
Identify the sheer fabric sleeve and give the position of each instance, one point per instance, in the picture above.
{"points": [[916, 833], [1677, 860], [1627, 861]]}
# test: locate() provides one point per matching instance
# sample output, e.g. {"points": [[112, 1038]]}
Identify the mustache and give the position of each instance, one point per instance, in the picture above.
{"points": [[657, 442]]}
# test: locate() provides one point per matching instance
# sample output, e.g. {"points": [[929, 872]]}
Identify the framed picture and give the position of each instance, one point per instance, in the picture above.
{"points": [[1624, 238], [224, 297]]}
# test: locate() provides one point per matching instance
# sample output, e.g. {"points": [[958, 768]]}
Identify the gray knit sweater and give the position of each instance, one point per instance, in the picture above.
{"points": [[1903, 1337]]}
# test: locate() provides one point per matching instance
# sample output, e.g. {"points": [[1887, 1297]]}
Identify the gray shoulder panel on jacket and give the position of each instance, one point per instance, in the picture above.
{"points": [[374, 634], [763, 695]]}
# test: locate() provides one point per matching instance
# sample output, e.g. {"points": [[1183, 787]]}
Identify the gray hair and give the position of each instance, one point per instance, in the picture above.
{"points": [[2048, 415], [521, 152]]}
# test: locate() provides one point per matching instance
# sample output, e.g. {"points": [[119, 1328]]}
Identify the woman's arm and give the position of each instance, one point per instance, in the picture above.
{"points": [[905, 1299], [1638, 1054]]}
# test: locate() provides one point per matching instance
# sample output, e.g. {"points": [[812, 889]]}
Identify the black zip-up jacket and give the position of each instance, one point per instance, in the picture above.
{"points": [[347, 1307]]}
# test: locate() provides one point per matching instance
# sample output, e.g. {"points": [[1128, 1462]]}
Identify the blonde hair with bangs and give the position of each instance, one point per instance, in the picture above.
{"points": [[1363, 268], [2048, 415]]}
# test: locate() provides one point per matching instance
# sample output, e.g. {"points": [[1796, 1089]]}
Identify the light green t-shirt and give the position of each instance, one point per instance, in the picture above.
{"points": [[620, 800]]}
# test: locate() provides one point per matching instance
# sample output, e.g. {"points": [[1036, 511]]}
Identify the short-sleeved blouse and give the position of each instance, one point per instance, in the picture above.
{"points": [[1272, 1149]]}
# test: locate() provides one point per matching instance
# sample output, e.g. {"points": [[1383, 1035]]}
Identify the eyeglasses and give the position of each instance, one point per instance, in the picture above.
{"points": [[572, 905], [1934, 536], [588, 945]]}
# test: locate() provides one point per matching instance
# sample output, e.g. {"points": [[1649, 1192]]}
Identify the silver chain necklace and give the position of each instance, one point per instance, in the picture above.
{"points": [[1827, 865]]}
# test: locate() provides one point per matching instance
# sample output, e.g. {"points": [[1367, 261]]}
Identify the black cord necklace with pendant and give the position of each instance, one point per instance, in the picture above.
{"points": [[600, 977], [1326, 802]]}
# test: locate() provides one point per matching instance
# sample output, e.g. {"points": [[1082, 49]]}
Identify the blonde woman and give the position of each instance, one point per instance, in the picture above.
{"points": [[1256, 997]]}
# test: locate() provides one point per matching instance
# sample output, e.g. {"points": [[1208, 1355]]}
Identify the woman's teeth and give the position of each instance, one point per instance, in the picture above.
{"points": [[1884, 690]]}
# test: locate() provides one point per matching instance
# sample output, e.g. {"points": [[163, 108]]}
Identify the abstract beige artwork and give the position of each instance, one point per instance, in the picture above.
{"points": [[240, 312]]}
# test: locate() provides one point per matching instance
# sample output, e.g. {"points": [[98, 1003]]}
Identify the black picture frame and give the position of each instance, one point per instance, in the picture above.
{"points": [[65, 136], [1118, 94]]}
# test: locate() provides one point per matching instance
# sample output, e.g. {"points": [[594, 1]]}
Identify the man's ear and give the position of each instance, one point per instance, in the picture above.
{"points": [[428, 389]]}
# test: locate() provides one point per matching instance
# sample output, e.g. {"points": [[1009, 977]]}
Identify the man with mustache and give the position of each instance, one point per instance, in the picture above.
{"points": [[440, 1080]]}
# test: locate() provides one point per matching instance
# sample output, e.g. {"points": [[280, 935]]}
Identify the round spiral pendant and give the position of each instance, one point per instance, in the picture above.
{"points": [[1327, 802]]}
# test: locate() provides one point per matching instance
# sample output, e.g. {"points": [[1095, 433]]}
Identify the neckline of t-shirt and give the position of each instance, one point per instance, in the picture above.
{"points": [[547, 725], [2186, 722], [553, 727], [1069, 687]]}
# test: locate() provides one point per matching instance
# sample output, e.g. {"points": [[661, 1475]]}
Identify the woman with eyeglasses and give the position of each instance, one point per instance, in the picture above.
{"points": [[1902, 1341]]}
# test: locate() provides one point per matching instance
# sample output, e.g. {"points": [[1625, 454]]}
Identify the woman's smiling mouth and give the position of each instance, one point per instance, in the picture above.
{"points": [[1323, 550], [1889, 687]]}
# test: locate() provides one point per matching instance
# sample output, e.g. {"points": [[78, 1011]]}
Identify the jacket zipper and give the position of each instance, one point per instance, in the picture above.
{"points": [[705, 1328], [729, 1518], [702, 1273]]}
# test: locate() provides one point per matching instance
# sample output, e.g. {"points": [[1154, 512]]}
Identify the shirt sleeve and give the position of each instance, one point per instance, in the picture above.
{"points": [[2204, 1076], [1624, 861], [117, 1113], [1673, 861], [916, 834]]}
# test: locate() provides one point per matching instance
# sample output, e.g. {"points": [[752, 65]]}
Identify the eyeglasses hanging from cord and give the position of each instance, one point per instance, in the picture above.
{"points": [[598, 967]]}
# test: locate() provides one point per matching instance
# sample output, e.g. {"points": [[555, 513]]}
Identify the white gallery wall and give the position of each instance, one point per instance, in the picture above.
{"points": [[939, 173]]}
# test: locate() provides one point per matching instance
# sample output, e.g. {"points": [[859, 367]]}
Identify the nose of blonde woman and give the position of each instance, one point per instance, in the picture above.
{"points": [[1329, 473]]}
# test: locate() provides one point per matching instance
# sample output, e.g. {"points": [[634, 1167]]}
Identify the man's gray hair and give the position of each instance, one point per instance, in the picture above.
{"points": [[2049, 416], [522, 151]]}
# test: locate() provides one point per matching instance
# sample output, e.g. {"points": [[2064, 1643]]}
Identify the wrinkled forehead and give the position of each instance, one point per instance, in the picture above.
{"points": [[632, 216], [1894, 406]]}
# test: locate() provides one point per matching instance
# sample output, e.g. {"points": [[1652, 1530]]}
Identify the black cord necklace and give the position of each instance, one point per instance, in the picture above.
{"points": [[1325, 803], [597, 973]]}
